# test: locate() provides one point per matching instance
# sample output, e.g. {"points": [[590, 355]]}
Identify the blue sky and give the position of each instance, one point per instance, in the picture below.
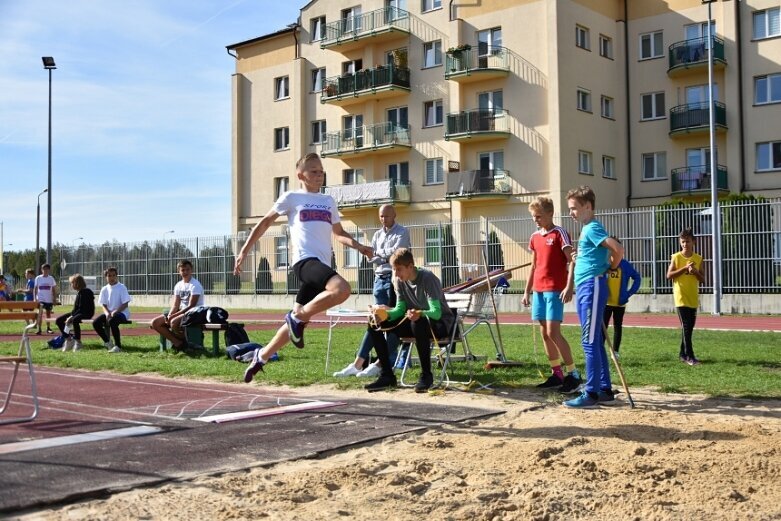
{"points": [[140, 115]]}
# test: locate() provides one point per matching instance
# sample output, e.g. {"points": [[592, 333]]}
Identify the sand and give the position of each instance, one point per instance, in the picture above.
{"points": [[672, 457]]}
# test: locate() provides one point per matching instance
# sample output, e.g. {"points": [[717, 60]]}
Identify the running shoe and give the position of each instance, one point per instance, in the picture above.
{"points": [[296, 330], [583, 401], [552, 381], [424, 383], [381, 383], [350, 370], [607, 397], [571, 383], [254, 367]]}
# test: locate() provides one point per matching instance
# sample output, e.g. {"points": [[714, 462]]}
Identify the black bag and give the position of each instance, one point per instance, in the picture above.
{"points": [[235, 334], [237, 351], [204, 315]]}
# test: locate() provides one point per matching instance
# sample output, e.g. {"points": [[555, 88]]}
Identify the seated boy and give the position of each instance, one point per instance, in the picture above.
{"points": [[420, 310], [188, 293]]}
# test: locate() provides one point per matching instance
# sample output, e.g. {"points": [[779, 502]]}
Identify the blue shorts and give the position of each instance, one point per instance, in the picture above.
{"points": [[547, 305]]}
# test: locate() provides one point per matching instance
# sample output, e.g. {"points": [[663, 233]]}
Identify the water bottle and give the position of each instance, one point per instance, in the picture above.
{"points": [[67, 330]]}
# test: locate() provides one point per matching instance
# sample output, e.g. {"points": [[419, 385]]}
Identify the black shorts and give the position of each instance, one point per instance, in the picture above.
{"points": [[314, 275], [46, 305]]}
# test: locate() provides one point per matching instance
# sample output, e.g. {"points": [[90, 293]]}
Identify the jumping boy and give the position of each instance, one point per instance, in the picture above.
{"points": [[596, 251], [551, 278], [312, 217]]}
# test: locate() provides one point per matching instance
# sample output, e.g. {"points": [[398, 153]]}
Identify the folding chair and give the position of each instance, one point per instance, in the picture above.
{"points": [[20, 311]]}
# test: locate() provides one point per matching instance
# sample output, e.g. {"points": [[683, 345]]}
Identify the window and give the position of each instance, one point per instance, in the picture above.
{"points": [[651, 45], [435, 174], [352, 176], [489, 42], [493, 161], [281, 185], [769, 156], [317, 28], [654, 166], [281, 88], [699, 30], [582, 37], [430, 5], [351, 67], [492, 101], [398, 173], [397, 117], [280, 255], [608, 167], [352, 257], [605, 46], [584, 162], [281, 138], [432, 53], [584, 100], [318, 79], [352, 131], [351, 20], [767, 89], [607, 107], [432, 113], [652, 106], [318, 131], [433, 245], [767, 24]]}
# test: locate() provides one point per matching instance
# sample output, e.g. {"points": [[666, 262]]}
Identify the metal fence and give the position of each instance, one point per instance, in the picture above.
{"points": [[750, 243]]}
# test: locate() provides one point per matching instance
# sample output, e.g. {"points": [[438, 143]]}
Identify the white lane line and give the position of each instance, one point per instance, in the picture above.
{"points": [[243, 415], [74, 439]]}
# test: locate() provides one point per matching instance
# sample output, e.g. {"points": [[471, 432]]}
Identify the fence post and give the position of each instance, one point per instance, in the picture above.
{"points": [[653, 249]]}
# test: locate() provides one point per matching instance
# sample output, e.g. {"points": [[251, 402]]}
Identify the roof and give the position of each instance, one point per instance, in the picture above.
{"points": [[289, 29]]}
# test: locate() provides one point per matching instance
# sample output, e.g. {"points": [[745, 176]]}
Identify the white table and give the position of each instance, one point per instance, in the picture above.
{"points": [[344, 316]]}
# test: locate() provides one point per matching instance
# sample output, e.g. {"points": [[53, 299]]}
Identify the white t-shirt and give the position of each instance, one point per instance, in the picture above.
{"points": [[184, 290], [311, 217], [45, 287], [114, 296]]}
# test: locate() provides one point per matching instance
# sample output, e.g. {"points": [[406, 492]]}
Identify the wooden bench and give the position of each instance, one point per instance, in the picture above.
{"points": [[194, 335], [20, 310]]}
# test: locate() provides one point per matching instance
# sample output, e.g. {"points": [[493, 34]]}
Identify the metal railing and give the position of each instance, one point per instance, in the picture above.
{"points": [[366, 24], [697, 179], [476, 121], [368, 194], [695, 115], [475, 182], [462, 60], [750, 242], [365, 137], [365, 81], [694, 51]]}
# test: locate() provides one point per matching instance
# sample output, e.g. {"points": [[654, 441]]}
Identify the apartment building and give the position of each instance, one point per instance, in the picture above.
{"points": [[456, 110]]}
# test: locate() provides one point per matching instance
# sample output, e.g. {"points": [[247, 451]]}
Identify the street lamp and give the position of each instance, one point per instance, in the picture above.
{"points": [[714, 197], [38, 233], [49, 65], [166, 233]]}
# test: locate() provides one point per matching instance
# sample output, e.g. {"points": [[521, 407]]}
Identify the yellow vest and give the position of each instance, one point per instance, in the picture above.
{"points": [[613, 287], [686, 287]]}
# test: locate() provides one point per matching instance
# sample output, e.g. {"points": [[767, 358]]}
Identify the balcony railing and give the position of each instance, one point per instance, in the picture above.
{"points": [[468, 61], [477, 182], [365, 139], [477, 121], [365, 25], [365, 82], [690, 179], [369, 194], [694, 52], [694, 116]]}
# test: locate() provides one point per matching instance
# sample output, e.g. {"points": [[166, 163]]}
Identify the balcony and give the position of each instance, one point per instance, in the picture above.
{"points": [[696, 180], [368, 194], [692, 56], [381, 82], [466, 65], [360, 141], [694, 118], [478, 183], [380, 25], [478, 125]]}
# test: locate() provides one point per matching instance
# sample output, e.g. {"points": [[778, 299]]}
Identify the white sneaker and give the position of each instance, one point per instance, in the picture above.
{"points": [[115, 349], [350, 370], [373, 370], [68, 344], [108, 345], [77, 345]]}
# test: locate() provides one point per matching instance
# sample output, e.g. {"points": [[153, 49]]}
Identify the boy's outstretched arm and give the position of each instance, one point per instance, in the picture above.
{"points": [[345, 238], [256, 233]]}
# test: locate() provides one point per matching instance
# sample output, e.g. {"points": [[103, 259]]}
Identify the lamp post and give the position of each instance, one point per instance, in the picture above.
{"points": [[2, 253], [38, 233], [49, 65], [714, 196], [73, 245]]}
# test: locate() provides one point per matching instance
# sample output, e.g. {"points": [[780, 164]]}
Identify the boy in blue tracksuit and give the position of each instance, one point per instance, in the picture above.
{"points": [[618, 293], [596, 254]]}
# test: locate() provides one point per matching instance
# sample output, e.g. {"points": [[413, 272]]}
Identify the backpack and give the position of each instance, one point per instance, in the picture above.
{"points": [[57, 342], [237, 351], [204, 315], [235, 334]]}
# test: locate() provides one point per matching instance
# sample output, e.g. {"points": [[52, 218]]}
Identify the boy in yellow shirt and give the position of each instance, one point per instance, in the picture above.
{"points": [[684, 271]]}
